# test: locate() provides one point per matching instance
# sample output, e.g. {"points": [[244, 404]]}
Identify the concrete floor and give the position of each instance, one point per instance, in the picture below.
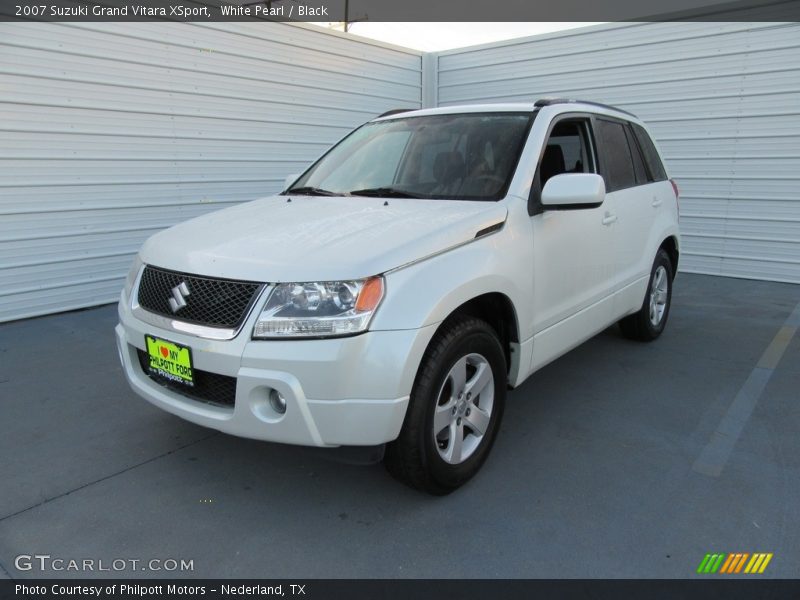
{"points": [[595, 473]]}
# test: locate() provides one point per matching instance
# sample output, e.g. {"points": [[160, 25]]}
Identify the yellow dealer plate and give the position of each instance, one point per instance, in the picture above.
{"points": [[169, 360]]}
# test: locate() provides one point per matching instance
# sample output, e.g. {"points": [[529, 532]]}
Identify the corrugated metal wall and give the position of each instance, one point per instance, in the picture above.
{"points": [[109, 132], [723, 101]]}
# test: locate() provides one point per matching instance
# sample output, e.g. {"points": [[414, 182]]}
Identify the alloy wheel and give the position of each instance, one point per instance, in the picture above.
{"points": [[464, 408], [659, 290]]}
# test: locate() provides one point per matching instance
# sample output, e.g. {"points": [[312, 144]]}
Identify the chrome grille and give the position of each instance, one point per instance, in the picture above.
{"points": [[211, 302]]}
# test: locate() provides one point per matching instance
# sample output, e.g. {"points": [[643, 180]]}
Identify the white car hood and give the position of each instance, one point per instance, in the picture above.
{"points": [[316, 238]]}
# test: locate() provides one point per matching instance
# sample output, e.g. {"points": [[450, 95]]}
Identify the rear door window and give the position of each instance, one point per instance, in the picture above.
{"points": [[616, 153]]}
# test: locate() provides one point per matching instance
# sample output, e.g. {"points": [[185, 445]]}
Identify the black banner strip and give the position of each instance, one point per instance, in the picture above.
{"points": [[146, 589], [405, 10]]}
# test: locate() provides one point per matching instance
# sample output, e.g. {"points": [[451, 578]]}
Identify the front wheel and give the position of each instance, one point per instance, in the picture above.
{"points": [[648, 323], [454, 411]]}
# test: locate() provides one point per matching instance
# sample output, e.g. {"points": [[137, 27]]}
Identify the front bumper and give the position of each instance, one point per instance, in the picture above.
{"points": [[350, 391]]}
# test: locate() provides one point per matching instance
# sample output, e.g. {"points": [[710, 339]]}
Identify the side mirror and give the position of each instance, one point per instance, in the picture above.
{"points": [[573, 191], [290, 179]]}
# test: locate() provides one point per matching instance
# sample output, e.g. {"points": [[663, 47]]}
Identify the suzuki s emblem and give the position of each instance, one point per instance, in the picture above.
{"points": [[179, 293]]}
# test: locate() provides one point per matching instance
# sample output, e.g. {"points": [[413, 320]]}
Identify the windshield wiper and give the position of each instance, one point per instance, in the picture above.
{"points": [[385, 192], [312, 191]]}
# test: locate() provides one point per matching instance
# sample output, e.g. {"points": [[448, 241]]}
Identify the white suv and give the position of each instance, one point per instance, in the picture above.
{"points": [[428, 262]]}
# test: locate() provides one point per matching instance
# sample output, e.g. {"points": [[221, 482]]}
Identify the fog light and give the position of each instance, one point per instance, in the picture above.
{"points": [[277, 402]]}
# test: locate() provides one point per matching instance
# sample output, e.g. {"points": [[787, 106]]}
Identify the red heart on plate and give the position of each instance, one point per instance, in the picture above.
{"points": [[164, 352]]}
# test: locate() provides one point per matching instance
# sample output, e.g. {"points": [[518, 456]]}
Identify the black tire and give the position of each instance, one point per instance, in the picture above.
{"points": [[639, 326], [414, 457]]}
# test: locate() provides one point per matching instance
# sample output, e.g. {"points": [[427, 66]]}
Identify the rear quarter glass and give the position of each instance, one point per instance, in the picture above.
{"points": [[653, 161]]}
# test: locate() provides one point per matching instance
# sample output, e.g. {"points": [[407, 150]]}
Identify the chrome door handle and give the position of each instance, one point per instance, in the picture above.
{"points": [[608, 219]]}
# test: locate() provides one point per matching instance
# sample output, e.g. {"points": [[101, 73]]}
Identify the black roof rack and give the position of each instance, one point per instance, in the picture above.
{"points": [[550, 101], [395, 111]]}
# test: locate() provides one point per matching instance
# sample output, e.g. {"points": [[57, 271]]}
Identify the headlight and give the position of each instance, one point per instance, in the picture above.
{"points": [[132, 274], [319, 309]]}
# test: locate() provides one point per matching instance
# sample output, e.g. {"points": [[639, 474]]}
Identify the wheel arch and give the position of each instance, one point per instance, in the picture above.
{"points": [[496, 309], [670, 246]]}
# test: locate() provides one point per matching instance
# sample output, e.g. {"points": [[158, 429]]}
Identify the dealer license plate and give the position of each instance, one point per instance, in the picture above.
{"points": [[169, 360]]}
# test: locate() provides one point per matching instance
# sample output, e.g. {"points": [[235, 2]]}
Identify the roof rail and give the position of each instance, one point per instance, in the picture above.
{"points": [[550, 101], [395, 111]]}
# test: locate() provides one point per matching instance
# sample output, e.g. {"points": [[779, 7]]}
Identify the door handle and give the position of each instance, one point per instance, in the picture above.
{"points": [[608, 219], [657, 202]]}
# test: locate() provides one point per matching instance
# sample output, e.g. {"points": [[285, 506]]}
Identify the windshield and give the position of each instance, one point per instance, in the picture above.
{"points": [[458, 157]]}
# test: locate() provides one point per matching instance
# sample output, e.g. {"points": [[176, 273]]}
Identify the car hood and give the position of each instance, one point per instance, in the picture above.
{"points": [[318, 238]]}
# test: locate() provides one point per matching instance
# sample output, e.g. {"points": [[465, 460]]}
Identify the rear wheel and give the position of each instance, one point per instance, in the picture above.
{"points": [[648, 323], [454, 411]]}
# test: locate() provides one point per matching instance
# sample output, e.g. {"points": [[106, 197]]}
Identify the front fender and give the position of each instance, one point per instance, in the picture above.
{"points": [[427, 292]]}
